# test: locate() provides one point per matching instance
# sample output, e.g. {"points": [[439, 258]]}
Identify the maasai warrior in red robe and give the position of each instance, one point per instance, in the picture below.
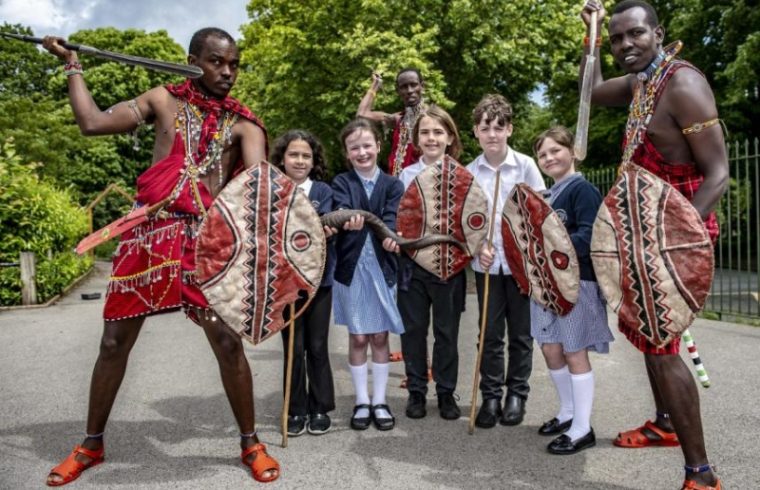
{"points": [[409, 87], [203, 137], [672, 132]]}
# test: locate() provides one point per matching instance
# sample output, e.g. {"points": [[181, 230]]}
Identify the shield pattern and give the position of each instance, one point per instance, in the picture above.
{"points": [[444, 198], [652, 255], [539, 251], [260, 248]]}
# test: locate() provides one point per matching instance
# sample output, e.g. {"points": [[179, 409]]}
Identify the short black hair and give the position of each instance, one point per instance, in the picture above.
{"points": [[408, 70], [200, 36], [652, 18]]}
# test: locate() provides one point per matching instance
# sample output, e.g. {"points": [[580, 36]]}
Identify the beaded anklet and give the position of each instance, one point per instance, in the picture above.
{"points": [[94, 436], [249, 435], [698, 469]]}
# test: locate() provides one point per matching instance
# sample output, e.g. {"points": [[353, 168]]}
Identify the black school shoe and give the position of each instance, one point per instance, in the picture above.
{"points": [[554, 427], [489, 413], [319, 423], [363, 422], [514, 411], [447, 406], [415, 406], [383, 423], [563, 445], [296, 425]]}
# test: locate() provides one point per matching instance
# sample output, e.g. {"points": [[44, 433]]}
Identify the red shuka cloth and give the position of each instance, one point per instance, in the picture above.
{"points": [[154, 264], [686, 179]]}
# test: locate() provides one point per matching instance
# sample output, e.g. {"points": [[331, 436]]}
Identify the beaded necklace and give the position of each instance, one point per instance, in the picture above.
{"points": [[641, 110], [411, 114], [189, 122]]}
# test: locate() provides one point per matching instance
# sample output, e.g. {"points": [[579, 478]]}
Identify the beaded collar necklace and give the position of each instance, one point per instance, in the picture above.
{"points": [[409, 119], [645, 93]]}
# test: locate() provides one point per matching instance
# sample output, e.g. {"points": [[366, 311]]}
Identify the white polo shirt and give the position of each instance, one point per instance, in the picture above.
{"points": [[411, 172], [515, 169]]}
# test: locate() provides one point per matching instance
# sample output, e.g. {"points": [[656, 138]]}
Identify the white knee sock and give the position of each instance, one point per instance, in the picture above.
{"points": [[379, 384], [583, 400], [561, 379], [359, 376]]}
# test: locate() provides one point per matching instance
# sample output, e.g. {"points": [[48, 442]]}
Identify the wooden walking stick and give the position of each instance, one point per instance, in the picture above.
{"points": [[483, 310], [288, 374]]}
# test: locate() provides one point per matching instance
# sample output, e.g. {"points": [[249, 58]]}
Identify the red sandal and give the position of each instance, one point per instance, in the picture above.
{"points": [[261, 463], [692, 485], [636, 438], [70, 469]]}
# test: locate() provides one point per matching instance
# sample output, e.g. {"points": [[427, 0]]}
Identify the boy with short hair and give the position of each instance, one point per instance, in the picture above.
{"points": [[508, 311]]}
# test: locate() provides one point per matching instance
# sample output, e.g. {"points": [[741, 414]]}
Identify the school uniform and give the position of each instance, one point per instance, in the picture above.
{"points": [[365, 273], [419, 292], [508, 311], [312, 389]]}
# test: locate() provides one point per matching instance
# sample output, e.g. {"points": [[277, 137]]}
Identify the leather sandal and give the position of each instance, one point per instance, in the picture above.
{"points": [[692, 485], [636, 438], [261, 463], [69, 469]]}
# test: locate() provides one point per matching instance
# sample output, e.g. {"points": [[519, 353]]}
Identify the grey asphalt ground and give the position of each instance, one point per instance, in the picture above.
{"points": [[171, 426]]}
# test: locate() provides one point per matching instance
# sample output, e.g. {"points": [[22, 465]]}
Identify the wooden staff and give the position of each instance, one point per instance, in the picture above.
{"points": [[484, 309], [288, 374]]}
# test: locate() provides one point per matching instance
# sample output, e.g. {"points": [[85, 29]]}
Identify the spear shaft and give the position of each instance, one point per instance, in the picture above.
{"points": [[189, 71]]}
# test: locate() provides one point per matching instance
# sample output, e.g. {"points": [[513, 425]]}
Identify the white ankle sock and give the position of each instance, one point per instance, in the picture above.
{"points": [[583, 400], [563, 384], [359, 376], [379, 384]]}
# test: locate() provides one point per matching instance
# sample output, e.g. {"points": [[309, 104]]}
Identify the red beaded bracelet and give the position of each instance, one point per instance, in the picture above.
{"points": [[596, 44]]}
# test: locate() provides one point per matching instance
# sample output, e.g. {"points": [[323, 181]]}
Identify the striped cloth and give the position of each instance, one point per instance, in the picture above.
{"points": [[585, 327]]}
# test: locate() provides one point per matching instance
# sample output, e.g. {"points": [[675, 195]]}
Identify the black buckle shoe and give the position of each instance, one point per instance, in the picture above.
{"points": [[514, 411], [447, 406], [383, 423], [415, 406], [563, 445], [489, 413], [361, 423], [554, 427], [296, 425]]}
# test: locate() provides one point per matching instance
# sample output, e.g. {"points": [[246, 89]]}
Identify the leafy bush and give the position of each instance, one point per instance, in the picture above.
{"points": [[36, 216]]}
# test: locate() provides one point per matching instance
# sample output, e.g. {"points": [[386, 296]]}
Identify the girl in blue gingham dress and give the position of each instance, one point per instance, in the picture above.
{"points": [[565, 341], [365, 273]]}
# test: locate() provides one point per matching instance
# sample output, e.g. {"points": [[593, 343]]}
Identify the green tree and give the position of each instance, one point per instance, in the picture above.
{"points": [[307, 64], [24, 70]]}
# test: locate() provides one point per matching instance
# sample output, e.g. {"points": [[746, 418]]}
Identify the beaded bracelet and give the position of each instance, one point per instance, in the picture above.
{"points": [[72, 68], [586, 41]]}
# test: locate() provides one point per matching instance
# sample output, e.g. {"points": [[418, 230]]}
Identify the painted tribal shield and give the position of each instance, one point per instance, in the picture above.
{"points": [[259, 247], [539, 251], [444, 198], [652, 255]]}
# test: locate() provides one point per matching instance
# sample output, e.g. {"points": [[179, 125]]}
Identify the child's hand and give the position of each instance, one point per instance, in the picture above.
{"points": [[329, 231], [486, 257], [355, 223], [390, 245]]}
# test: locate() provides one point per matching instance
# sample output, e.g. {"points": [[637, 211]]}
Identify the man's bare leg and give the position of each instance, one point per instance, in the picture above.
{"points": [[679, 393], [115, 345], [662, 421], [236, 377]]}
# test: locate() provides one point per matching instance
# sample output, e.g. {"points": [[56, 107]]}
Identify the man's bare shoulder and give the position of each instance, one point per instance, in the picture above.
{"points": [[688, 91]]}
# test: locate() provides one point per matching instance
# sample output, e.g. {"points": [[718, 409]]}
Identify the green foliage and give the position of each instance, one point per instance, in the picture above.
{"points": [[307, 64], [24, 69], [37, 217]]}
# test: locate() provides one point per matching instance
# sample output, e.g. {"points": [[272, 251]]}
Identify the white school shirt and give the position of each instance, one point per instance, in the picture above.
{"points": [[306, 186], [515, 169], [409, 173]]}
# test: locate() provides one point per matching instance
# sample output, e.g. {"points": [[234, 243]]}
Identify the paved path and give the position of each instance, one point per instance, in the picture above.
{"points": [[172, 428]]}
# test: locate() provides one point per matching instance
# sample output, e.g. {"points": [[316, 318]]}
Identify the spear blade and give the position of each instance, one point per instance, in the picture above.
{"points": [[580, 145]]}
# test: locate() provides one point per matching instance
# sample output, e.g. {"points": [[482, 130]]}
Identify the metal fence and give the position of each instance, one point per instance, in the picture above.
{"points": [[737, 280]]}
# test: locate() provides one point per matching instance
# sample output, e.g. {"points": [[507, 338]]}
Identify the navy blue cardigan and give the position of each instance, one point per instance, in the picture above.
{"points": [[348, 193], [577, 206], [321, 197]]}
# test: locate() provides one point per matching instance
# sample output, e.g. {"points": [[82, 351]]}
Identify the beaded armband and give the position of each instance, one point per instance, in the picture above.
{"points": [[587, 41], [700, 126], [132, 104], [73, 68]]}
